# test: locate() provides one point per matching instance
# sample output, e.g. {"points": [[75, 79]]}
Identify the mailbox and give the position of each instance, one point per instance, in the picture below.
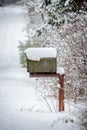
{"points": [[41, 60]]}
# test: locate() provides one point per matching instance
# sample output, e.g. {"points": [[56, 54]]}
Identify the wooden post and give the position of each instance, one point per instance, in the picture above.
{"points": [[61, 93]]}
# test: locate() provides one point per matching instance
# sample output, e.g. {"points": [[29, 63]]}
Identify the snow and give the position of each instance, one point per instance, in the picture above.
{"points": [[67, 2], [38, 53], [60, 70], [10, 34], [13, 9], [19, 107]]}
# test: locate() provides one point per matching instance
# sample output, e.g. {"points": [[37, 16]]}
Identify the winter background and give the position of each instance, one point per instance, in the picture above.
{"points": [[32, 103]]}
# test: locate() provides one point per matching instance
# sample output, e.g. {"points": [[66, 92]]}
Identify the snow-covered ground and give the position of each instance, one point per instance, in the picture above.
{"points": [[18, 102]]}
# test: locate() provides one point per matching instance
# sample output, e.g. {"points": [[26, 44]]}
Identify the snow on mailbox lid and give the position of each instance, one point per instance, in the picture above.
{"points": [[36, 54]]}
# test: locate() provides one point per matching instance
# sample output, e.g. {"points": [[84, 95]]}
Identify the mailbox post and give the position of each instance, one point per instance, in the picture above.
{"points": [[41, 62], [61, 93]]}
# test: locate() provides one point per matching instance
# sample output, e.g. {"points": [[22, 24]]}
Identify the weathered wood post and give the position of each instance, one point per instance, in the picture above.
{"points": [[61, 93]]}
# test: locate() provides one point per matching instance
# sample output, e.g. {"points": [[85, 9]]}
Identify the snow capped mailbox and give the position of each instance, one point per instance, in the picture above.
{"points": [[41, 60]]}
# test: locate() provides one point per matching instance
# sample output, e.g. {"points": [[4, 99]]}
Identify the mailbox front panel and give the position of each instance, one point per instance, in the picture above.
{"points": [[45, 65]]}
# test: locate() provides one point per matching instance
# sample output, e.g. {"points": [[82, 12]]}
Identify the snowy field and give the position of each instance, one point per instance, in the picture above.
{"points": [[18, 102]]}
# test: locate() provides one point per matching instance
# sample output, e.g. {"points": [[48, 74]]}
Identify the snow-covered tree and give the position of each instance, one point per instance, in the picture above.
{"points": [[63, 27]]}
